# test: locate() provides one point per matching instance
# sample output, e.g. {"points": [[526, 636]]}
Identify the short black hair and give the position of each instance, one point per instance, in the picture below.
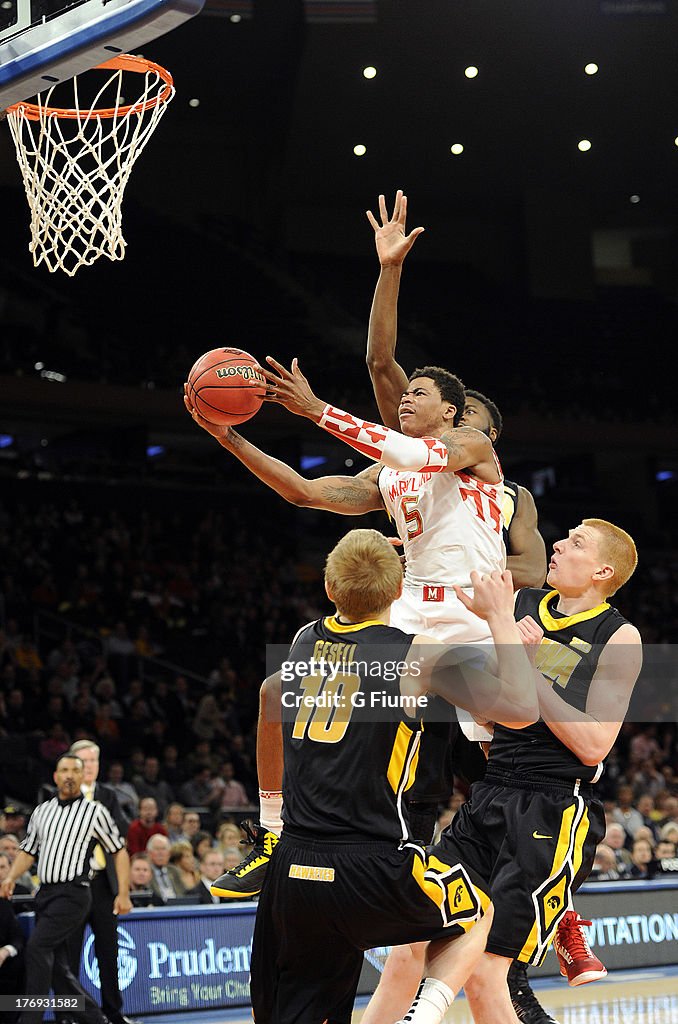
{"points": [[66, 756], [450, 387], [495, 415]]}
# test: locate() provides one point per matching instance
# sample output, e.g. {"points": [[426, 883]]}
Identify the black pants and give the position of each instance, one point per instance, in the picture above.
{"points": [[104, 925], [59, 909]]}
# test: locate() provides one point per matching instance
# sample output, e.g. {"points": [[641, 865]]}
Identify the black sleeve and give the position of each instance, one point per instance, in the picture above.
{"points": [[109, 798]]}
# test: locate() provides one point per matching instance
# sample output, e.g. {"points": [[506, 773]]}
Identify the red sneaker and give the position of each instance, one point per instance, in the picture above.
{"points": [[578, 963]]}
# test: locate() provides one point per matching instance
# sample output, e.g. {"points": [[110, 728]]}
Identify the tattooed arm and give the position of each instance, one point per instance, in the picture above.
{"points": [[348, 495], [468, 448]]}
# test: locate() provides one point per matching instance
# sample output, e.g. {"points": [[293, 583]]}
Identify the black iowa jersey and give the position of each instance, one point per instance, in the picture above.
{"points": [[568, 656], [508, 510], [350, 748]]}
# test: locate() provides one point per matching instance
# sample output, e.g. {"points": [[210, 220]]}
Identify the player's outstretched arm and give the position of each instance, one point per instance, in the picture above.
{"points": [[348, 495], [458, 448], [509, 696], [527, 560], [389, 380], [591, 734]]}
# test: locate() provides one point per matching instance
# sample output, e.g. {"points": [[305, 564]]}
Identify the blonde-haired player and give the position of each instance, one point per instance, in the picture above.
{"points": [[532, 824]]}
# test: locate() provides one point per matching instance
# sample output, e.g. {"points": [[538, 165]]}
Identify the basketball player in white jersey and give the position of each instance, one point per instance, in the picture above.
{"points": [[440, 483]]}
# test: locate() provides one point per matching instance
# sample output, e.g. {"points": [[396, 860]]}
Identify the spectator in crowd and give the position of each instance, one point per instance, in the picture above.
{"points": [[149, 783], [669, 831], [145, 826], [647, 781], [626, 814], [666, 858], [201, 843], [20, 889], [641, 857], [9, 846], [184, 860], [128, 798], [670, 811], [231, 792], [615, 838], [232, 857], [190, 825], [207, 724], [174, 819], [170, 767], [228, 835], [604, 865], [643, 745], [141, 878], [645, 806], [212, 865], [15, 821], [200, 791], [140, 872], [166, 881]]}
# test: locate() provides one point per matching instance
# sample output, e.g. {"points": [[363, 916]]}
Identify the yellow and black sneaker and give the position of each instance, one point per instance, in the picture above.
{"points": [[248, 877]]}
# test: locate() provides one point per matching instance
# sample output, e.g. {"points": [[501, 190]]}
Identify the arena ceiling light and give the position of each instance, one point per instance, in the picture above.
{"points": [[471, 71], [457, 149], [591, 69], [369, 72], [360, 150], [584, 145]]}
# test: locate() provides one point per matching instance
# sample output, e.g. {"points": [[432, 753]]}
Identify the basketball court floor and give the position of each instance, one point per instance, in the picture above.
{"points": [[647, 996]]}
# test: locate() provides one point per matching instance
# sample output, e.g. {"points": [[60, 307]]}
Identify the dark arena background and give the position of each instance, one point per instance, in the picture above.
{"points": [[143, 570]]}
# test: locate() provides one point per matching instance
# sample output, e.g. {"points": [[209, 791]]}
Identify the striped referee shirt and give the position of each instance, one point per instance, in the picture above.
{"points": [[62, 835]]}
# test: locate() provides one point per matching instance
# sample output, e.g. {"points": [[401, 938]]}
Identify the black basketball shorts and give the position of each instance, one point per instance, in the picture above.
{"points": [[534, 843], [323, 903]]}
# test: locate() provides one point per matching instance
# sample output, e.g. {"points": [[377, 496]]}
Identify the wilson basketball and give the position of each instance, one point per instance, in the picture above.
{"points": [[226, 386]]}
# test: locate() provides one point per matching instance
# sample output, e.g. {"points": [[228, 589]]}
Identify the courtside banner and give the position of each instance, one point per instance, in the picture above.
{"points": [[171, 960], [197, 958]]}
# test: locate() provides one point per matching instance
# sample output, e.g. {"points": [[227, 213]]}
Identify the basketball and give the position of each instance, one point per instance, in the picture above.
{"points": [[226, 386]]}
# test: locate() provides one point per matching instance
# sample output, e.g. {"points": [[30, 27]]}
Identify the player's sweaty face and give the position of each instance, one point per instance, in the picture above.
{"points": [[421, 409]]}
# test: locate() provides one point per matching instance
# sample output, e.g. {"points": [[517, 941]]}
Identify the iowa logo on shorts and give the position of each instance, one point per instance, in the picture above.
{"points": [[551, 902], [452, 889]]}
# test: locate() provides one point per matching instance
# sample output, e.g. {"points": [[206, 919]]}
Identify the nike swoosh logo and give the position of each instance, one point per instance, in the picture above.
{"points": [[538, 835]]}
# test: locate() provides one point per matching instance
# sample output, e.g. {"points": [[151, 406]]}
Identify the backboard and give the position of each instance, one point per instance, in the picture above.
{"points": [[43, 42]]}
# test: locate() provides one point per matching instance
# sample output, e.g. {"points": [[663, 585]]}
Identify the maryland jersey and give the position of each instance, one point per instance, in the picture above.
{"points": [[450, 524], [568, 657], [350, 750]]}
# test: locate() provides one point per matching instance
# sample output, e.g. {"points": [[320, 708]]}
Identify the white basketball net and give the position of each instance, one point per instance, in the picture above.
{"points": [[75, 168]]}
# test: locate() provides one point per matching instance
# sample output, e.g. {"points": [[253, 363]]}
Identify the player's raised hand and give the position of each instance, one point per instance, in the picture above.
{"points": [[392, 243], [492, 595], [215, 429], [531, 634], [291, 389]]}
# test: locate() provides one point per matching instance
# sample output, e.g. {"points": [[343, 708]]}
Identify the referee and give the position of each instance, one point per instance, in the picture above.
{"points": [[62, 834]]}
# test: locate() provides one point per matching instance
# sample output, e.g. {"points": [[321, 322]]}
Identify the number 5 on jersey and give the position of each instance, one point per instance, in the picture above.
{"points": [[412, 516]]}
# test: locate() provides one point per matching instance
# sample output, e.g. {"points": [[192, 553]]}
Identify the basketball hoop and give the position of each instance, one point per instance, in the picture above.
{"points": [[76, 162]]}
